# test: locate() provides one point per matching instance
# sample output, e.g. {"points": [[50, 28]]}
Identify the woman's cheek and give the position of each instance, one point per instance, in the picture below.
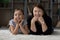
{"points": [[41, 14], [35, 14]]}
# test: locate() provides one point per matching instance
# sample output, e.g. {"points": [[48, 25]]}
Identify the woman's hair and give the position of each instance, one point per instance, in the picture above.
{"points": [[19, 10], [40, 7]]}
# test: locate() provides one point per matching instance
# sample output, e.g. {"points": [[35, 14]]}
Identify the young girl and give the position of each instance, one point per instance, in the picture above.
{"points": [[18, 24], [40, 23]]}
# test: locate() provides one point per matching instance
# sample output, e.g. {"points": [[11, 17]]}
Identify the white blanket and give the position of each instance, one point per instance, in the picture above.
{"points": [[6, 35]]}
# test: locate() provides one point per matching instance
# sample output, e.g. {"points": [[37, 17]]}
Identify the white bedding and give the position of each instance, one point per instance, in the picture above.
{"points": [[6, 35]]}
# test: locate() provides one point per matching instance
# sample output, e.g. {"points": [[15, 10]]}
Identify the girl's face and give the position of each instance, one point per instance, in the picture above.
{"points": [[37, 12], [18, 15]]}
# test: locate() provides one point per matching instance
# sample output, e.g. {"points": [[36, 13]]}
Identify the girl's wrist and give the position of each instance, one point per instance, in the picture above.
{"points": [[17, 24]]}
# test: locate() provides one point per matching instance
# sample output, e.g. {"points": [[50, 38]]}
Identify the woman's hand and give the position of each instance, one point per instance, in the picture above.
{"points": [[34, 19], [44, 26], [41, 20], [33, 28]]}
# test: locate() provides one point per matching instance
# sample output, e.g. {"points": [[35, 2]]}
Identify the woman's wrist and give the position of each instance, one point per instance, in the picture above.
{"points": [[42, 22], [32, 21]]}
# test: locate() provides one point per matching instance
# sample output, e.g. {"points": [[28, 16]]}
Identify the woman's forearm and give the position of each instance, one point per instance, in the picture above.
{"points": [[33, 28], [44, 27]]}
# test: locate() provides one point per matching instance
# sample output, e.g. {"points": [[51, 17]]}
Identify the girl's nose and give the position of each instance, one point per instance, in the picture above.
{"points": [[17, 15]]}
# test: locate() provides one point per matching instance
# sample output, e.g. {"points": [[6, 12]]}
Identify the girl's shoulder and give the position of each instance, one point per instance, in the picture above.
{"points": [[12, 21]]}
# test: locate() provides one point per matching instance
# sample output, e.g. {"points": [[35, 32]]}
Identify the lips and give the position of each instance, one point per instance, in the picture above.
{"points": [[37, 15]]}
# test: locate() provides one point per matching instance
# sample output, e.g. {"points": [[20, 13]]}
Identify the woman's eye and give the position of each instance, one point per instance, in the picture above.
{"points": [[39, 11], [15, 14], [35, 11]]}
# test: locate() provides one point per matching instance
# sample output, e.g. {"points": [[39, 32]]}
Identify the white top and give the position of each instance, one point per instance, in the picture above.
{"points": [[11, 22]]}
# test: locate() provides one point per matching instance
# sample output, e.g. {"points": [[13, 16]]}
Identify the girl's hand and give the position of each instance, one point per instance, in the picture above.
{"points": [[20, 24], [16, 21]]}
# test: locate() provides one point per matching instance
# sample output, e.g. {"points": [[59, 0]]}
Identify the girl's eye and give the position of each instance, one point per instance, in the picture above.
{"points": [[19, 14], [39, 11]]}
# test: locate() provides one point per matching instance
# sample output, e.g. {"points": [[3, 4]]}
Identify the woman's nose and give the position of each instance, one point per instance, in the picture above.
{"points": [[37, 12]]}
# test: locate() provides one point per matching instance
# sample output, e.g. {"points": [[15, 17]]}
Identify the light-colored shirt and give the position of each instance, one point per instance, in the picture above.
{"points": [[11, 22]]}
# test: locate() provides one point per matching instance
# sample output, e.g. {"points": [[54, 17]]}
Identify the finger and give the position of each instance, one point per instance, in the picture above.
{"points": [[21, 22]]}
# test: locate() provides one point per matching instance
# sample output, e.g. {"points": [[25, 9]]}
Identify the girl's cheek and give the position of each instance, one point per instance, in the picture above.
{"points": [[22, 16], [15, 18]]}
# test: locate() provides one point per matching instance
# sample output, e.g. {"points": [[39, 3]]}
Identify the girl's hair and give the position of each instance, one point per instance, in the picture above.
{"points": [[19, 10], [40, 7]]}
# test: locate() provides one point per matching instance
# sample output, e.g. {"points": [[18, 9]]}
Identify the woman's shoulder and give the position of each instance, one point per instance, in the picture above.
{"points": [[47, 18]]}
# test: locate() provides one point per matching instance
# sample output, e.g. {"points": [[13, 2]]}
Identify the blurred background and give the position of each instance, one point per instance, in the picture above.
{"points": [[52, 7]]}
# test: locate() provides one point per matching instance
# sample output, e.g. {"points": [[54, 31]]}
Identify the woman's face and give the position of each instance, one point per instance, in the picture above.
{"points": [[37, 12], [18, 15]]}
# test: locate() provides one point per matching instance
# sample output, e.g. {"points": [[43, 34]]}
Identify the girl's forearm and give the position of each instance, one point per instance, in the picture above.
{"points": [[24, 31], [16, 29]]}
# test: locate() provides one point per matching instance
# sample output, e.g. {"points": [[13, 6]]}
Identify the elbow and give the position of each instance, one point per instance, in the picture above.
{"points": [[14, 33], [34, 30], [44, 30], [26, 33]]}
